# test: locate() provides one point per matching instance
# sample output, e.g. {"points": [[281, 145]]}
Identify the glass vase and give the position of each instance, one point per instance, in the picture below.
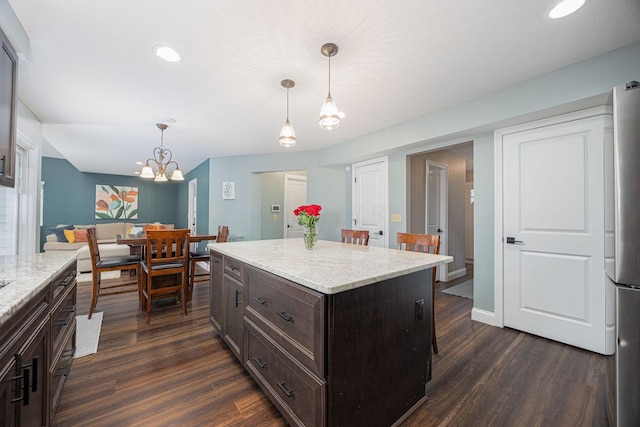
{"points": [[310, 236]]}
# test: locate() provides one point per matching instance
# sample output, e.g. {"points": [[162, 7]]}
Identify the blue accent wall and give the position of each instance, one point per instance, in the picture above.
{"points": [[70, 195]]}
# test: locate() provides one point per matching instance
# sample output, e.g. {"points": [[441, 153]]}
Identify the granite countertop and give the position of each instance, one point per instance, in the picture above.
{"points": [[23, 276], [331, 267]]}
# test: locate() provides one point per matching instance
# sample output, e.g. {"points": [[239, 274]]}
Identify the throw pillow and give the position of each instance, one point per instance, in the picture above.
{"points": [[70, 235], [81, 235], [59, 232]]}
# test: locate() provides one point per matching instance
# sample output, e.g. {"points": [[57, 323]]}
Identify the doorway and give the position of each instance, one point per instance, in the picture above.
{"points": [[457, 160]]}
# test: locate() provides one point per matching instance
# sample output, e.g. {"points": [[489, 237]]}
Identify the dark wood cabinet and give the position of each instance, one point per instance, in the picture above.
{"points": [[215, 291], [8, 111], [37, 345], [357, 357], [23, 360], [233, 308], [63, 332]]}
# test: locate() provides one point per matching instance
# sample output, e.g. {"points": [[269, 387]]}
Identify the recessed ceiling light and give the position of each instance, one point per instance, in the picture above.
{"points": [[565, 7], [166, 53]]}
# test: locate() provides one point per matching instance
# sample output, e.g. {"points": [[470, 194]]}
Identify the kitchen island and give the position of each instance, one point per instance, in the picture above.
{"points": [[337, 335], [37, 334]]}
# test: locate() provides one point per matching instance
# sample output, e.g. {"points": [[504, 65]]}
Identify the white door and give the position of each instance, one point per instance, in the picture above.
{"points": [[436, 209], [295, 194], [193, 206], [193, 209], [553, 232], [370, 200]]}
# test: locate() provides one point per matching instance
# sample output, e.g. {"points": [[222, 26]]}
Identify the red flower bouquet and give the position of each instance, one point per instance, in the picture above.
{"points": [[308, 215]]}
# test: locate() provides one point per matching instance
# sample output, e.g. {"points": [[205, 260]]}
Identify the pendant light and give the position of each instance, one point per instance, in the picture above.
{"points": [[330, 116], [287, 134], [162, 159]]}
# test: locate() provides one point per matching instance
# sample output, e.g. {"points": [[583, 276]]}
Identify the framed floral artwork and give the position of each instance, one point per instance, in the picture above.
{"points": [[229, 190], [114, 202]]}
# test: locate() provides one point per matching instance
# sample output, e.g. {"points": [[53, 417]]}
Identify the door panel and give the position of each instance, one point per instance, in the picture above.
{"points": [[369, 199], [553, 211], [295, 194]]}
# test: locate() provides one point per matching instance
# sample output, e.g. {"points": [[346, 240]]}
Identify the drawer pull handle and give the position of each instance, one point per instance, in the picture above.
{"points": [[260, 300], [237, 301], [260, 362], [25, 387], [289, 393], [284, 315], [233, 268]]}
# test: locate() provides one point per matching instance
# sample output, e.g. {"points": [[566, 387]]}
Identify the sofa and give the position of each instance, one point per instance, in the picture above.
{"points": [[106, 234]]}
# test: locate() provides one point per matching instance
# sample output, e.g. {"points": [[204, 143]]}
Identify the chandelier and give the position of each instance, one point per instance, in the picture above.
{"points": [[162, 159]]}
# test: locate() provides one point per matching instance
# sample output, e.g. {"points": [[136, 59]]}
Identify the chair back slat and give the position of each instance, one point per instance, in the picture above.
{"points": [[356, 237], [223, 234], [167, 246], [428, 243]]}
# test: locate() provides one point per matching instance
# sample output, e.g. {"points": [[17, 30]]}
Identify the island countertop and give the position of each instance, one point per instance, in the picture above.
{"points": [[23, 276], [330, 267]]}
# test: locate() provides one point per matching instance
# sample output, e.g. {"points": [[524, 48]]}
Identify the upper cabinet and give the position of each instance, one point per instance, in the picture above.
{"points": [[8, 111]]}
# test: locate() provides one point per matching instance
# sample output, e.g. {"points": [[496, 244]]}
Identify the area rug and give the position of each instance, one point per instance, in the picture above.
{"points": [[88, 277], [87, 334], [464, 290]]}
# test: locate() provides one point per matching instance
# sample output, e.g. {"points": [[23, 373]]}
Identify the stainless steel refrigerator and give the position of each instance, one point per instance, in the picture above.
{"points": [[625, 270]]}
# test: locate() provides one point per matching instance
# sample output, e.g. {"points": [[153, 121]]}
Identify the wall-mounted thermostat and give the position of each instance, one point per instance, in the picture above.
{"points": [[275, 208]]}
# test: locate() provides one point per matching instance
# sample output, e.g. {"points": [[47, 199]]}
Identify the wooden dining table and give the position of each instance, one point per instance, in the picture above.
{"points": [[141, 239]]}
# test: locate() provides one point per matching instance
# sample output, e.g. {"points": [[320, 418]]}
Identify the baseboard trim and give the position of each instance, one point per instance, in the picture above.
{"points": [[484, 316], [456, 273]]}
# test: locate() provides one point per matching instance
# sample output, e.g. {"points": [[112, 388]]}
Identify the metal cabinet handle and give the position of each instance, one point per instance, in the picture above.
{"points": [[260, 362], [260, 300], [289, 393], [29, 379], [284, 315], [237, 302]]}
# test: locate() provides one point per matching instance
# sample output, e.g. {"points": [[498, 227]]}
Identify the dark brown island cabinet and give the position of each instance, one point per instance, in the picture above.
{"points": [[37, 345], [360, 356]]}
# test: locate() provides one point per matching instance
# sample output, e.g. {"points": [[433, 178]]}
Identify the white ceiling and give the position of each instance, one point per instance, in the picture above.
{"points": [[92, 79]]}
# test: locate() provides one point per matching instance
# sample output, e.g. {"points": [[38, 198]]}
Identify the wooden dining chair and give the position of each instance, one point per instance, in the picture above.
{"points": [[356, 237], [166, 254], [203, 256], [429, 243], [99, 266]]}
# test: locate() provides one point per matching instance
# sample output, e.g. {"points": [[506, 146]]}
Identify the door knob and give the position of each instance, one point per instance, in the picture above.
{"points": [[440, 230], [512, 240]]}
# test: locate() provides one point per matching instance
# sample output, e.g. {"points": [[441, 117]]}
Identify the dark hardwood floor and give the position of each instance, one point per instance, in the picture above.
{"points": [[178, 372]]}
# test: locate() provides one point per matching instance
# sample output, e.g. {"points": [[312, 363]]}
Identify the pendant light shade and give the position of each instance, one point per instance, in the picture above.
{"points": [[330, 116], [287, 134]]}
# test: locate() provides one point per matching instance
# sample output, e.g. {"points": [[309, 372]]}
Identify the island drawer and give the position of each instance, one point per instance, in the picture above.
{"points": [[62, 281], [233, 268], [299, 394], [63, 317], [292, 315], [61, 365]]}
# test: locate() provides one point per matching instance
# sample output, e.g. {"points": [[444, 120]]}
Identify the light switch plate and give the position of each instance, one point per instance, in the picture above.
{"points": [[396, 218]]}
